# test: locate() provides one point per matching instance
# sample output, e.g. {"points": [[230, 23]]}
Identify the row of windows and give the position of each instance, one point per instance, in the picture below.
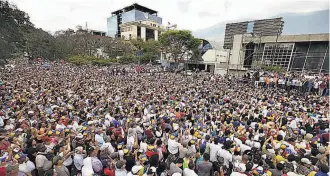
{"points": [[126, 29]]}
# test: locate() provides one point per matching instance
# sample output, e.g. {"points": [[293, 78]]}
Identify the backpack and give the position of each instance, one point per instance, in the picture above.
{"points": [[288, 167]]}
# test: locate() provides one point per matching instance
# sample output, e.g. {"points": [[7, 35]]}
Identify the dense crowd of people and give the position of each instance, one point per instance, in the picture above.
{"points": [[303, 83], [85, 120]]}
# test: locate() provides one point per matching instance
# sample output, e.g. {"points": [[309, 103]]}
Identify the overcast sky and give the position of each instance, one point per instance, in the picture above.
{"points": [[52, 15]]}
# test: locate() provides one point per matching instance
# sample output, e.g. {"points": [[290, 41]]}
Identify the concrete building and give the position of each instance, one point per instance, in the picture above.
{"points": [[98, 33], [253, 44], [144, 29], [306, 52], [213, 60], [81, 30], [132, 13], [264, 27]]}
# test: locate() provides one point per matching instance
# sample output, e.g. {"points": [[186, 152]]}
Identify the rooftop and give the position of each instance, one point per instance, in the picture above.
{"points": [[135, 6], [289, 38]]}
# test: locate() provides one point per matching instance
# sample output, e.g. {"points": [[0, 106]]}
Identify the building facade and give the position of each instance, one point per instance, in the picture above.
{"points": [[132, 13], [212, 60], [265, 27], [146, 30], [98, 33], [253, 44], [306, 52]]}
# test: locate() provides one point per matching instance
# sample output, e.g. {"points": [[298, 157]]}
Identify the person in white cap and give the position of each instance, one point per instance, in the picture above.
{"points": [[305, 167], [135, 171]]}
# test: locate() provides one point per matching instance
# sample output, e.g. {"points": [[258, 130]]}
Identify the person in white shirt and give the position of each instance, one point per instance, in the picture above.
{"points": [[299, 85], [87, 169], [143, 144], [42, 163], [225, 154], [173, 145], [294, 83], [262, 81], [8, 125], [99, 138], [25, 165], [60, 125], [190, 170], [1, 121], [316, 87], [215, 148]]}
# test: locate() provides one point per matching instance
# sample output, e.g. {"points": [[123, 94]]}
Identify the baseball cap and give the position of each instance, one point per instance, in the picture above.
{"points": [[306, 161], [20, 156], [136, 169], [322, 149]]}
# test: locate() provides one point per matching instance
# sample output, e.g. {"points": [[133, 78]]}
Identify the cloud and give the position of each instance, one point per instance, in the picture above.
{"points": [[205, 14], [184, 5], [187, 14]]}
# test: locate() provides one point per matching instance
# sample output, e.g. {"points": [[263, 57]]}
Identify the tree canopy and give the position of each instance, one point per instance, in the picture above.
{"points": [[149, 50], [178, 43], [14, 23], [18, 36]]}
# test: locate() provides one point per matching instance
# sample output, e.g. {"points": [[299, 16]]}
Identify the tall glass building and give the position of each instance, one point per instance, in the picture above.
{"points": [[130, 13]]}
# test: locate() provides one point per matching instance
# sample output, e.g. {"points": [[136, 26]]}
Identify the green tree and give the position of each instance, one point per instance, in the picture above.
{"points": [[149, 48], [177, 43], [13, 23], [115, 47], [196, 55], [40, 43]]}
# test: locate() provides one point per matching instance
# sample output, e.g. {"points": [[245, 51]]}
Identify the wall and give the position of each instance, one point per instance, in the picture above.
{"points": [[288, 38], [131, 30], [220, 71], [112, 26], [237, 53], [212, 55]]}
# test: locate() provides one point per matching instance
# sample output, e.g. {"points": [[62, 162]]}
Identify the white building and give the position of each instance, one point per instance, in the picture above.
{"points": [[217, 61], [145, 29]]}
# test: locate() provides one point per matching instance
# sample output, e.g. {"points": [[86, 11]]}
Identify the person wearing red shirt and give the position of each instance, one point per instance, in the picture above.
{"points": [[148, 133], [3, 143], [151, 151]]}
